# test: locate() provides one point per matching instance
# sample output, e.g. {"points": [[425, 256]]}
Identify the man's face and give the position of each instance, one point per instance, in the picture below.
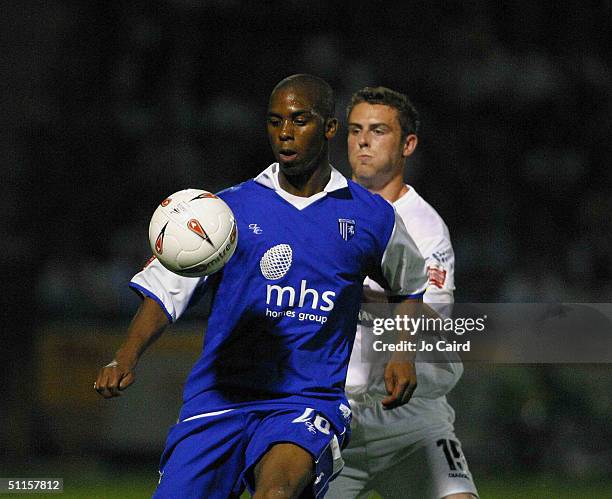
{"points": [[297, 133], [376, 148]]}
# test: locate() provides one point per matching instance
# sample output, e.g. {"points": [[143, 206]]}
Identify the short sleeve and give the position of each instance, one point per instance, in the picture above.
{"points": [[171, 291], [440, 267], [402, 265]]}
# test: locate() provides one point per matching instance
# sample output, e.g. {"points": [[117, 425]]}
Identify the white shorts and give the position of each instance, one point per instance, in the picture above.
{"points": [[410, 451]]}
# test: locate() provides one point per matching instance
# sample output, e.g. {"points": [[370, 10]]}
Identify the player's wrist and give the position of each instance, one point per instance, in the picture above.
{"points": [[125, 359], [402, 358]]}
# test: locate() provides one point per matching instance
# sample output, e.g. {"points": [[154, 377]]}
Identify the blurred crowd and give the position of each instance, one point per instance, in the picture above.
{"points": [[109, 106], [113, 105]]}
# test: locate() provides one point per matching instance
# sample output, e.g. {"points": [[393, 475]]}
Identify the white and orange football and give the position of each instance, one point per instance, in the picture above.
{"points": [[193, 233]]}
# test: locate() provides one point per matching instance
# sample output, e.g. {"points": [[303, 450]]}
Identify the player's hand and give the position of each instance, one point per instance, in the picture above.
{"points": [[113, 378], [400, 382]]}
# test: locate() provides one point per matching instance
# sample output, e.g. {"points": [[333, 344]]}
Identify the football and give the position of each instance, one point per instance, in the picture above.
{"points": [[193, 233]]}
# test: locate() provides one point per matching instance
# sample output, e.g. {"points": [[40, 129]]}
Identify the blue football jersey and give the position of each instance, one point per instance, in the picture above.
{"points": [[285, 307]]}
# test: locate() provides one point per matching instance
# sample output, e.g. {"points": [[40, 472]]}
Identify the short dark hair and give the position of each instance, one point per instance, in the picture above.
{"points": [[321, 92], [408, 115]]}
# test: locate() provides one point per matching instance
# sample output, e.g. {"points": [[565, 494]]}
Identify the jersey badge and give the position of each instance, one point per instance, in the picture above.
{"points": [[255, 228], [346, 228], [436, 275]]}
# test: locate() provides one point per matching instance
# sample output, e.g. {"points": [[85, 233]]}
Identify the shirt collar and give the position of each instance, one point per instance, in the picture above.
{"points": [[269, 178]]}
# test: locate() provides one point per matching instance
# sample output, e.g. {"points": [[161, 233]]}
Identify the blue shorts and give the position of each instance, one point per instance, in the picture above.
{"points": [[213, 455]]}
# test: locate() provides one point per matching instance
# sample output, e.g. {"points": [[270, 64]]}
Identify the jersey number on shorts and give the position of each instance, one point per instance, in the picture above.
{"points": [[319, 423]]}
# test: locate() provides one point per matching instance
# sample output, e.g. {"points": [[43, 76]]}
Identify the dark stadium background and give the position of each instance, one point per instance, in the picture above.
{"points": [[106, 107]]}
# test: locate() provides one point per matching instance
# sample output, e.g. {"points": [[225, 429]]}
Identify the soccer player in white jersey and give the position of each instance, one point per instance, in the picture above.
{"points": [[264, 407], [412, 450]]}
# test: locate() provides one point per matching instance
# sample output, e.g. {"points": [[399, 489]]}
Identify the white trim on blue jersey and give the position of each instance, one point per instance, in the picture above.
{"points": [[206, 415], [171, 291]]}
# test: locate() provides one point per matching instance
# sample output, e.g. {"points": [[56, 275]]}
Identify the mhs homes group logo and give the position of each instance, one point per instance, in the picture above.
{"points": [[274, 264]]}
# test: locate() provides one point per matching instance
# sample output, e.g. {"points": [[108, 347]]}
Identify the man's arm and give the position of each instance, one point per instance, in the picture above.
{"points": [[400, 372], [147, 325], [403, 275]]}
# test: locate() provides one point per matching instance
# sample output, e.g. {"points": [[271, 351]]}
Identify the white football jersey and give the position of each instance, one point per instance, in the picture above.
{"points": [[432, 238]]}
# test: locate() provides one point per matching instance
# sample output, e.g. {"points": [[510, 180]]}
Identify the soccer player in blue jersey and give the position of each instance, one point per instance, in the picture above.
{"points": [[264, 405]]}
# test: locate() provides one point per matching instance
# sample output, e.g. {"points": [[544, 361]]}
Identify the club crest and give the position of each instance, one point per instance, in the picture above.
{"points": [[346, 228]]}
